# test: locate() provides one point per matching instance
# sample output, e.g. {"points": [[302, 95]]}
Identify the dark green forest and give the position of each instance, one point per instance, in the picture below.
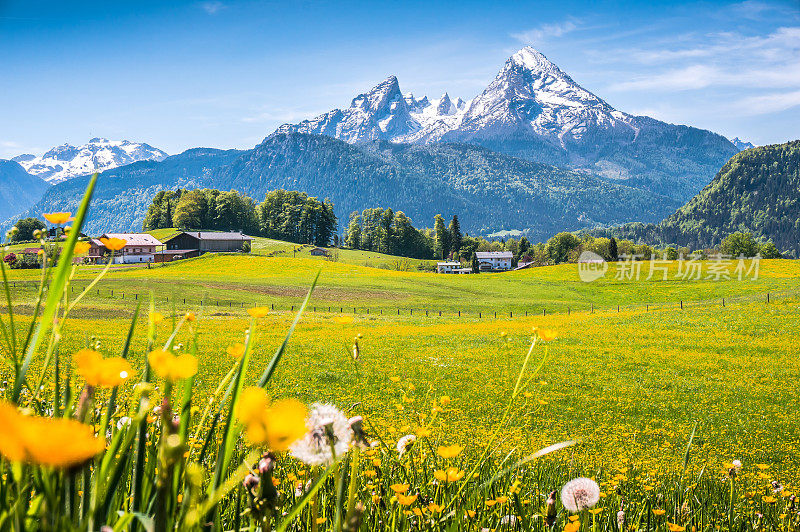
{"points": [[284, 215], [757, 191]]}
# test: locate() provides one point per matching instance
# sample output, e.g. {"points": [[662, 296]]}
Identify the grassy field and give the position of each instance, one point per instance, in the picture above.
{"points": [[646, 372], [630, 377]]}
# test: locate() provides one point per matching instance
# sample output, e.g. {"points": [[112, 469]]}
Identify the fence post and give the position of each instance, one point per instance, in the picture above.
{"points": [[426, 313], [723, 301], [495, 314], [440, 313], [647, 308], [681, 304], [617, 308], [568, 311], [136, 297], [767, 297], [510, 313], [544, 312], [459, 313], [479, 314]]}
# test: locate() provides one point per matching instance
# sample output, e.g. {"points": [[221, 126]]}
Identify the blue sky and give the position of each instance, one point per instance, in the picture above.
{"points": [[224, 73]]}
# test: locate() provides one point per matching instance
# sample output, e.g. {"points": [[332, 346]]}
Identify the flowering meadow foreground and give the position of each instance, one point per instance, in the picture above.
{"points": [[116, 439]]}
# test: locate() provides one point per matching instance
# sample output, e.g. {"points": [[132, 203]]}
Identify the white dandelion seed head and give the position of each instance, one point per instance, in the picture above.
{"points": [[315, 447], [404, 443], [123, 422], [579, 494], [737, 464]]}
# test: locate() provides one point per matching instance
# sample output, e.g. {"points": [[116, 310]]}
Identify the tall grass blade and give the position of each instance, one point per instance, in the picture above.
{"points": [[55, 292]]}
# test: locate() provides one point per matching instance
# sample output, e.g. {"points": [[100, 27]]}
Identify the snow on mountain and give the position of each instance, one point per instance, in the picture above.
{"points": [[741, 144], [529, 92], [66, 161], [534, 110]]}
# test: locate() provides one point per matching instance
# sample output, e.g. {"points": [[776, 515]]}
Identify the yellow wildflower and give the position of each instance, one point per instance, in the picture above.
{"points": [[55, 442], [236, 350], [449, 451], [258, 312], [99, 371], [81, 248], [399, 488], [406, 500], [57, 218], [275, 425], [172, 367], [114, 244]]}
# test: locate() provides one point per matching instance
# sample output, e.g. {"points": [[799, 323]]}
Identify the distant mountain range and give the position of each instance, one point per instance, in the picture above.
{"points": [[18, 189], [535, 111], [757, 191], [534, 152], [66, 161], [487, 190], [741, 144]]}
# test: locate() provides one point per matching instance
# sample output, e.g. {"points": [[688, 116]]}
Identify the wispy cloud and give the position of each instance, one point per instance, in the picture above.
{"points": [[768, 103], [544, 32], [212, 7], [730, 59]]}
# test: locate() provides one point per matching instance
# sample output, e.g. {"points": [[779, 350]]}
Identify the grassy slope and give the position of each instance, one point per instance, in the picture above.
{"points": [[627, 383], [282, 281]]}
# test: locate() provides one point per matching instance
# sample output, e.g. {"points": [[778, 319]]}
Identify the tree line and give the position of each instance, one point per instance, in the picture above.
{"points": [[284, 215]]}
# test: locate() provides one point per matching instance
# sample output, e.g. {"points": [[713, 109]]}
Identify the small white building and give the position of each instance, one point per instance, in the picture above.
{"points": [[139, 248], [447, 267], [494, 260]]}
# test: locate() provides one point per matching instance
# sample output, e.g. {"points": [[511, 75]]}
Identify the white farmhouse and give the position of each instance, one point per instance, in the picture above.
{"points": [[447, 267], [494, 260], [139, 248]]}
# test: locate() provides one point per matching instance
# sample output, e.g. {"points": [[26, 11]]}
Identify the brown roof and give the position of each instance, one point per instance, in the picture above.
{"points": [[213, 235]]}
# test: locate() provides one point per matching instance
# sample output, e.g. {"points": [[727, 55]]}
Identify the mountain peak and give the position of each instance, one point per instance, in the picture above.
{"points": [[532, 59], [99, 154]]}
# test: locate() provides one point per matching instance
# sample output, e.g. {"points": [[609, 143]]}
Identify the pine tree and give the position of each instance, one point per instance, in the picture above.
{"points": [[442, 236], [455, 236]]}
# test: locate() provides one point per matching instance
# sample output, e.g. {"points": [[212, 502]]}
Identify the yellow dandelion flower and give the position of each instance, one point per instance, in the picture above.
{"points": [[343, 320], [572, 526], [658, 511], [156, 317], [675, 527]]}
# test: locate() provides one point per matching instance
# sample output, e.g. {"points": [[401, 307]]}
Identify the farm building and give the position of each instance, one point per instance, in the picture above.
{"points": [[524, 262], [494, 260], [319, 252], [447, 267], [169, 255], [139, 248], [207, 241]]}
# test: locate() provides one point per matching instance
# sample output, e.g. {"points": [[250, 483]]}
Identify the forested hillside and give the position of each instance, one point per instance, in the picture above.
{"points": [[487, 190], [757, 191]]}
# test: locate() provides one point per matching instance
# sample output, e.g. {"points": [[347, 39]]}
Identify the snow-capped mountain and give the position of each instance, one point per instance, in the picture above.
{"points": [[66, 161], [532, 109], [742, 144], [385, 113], [529, 92]]}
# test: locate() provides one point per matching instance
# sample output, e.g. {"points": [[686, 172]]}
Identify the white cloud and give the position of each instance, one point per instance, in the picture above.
{"points": [[212, 7], [768, 103], [545, 31]]}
